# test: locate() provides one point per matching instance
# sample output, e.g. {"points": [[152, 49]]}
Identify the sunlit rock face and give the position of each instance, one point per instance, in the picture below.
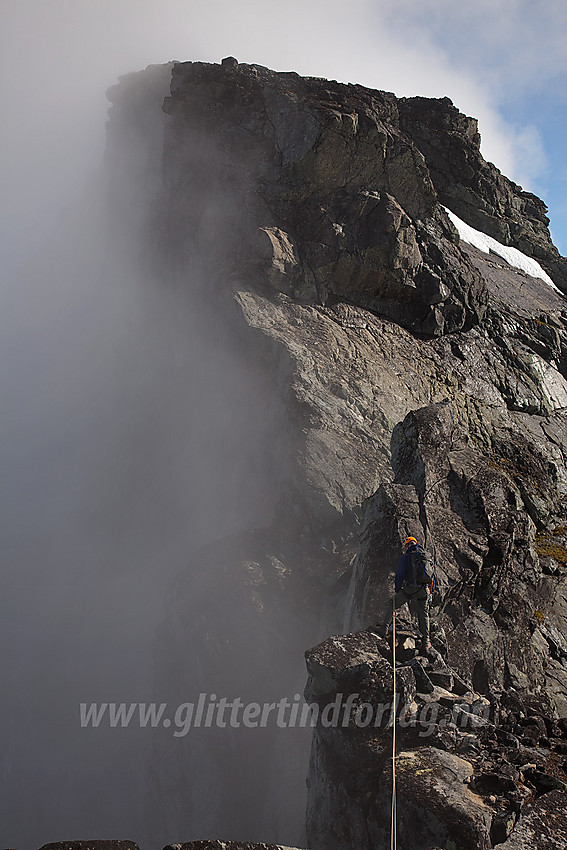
{"points": [[395, 381]]}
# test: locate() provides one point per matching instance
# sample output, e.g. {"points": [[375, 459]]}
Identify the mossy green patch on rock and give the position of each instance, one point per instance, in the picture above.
{"points": [[546, 546]]}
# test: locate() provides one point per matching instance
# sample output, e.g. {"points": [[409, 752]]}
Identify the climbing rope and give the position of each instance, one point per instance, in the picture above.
{"points": [[394, 824]]}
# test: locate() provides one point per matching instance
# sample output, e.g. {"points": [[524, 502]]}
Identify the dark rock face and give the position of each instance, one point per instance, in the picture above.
{"points": [[340, 204], [424, 388], [474, 189], [350, 664]]}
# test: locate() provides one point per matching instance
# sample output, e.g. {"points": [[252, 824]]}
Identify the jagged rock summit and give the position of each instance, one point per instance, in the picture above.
{"points": [[336, 194], [420, 386]]}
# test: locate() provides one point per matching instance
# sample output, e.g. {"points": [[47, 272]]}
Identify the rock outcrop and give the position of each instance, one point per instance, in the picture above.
{"points": [[473, 188], [224, 845], [423, 390], [91, 845], [468, 766], [339, 201]]}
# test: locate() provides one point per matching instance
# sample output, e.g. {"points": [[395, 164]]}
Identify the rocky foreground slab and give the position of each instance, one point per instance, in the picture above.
{"points": [[472, 770]]}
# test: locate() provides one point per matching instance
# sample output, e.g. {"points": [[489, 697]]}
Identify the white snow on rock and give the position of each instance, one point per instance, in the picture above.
{"points": [[512, 256]]}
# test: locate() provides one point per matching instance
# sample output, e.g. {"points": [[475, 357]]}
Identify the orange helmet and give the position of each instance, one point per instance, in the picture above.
{"points": [[410, 541]]}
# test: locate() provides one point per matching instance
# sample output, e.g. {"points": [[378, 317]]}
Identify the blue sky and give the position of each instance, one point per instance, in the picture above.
{"points": [[516, 50], [504, 62]]}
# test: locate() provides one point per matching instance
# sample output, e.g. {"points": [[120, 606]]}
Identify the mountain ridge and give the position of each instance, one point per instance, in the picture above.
{"points": [[422, 388]]}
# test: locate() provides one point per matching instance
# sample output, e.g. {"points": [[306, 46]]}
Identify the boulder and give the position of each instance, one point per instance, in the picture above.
{"points": [[347, 671], [542, 824], [439, 809]]}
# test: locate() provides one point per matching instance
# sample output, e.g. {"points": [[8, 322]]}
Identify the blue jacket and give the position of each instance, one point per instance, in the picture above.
{"points": [[403, 570]]}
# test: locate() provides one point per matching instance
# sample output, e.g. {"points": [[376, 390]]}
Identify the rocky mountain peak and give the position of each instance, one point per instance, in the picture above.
{"points": [[343, 205], [475, 189], [421, 388], [346, 185]]}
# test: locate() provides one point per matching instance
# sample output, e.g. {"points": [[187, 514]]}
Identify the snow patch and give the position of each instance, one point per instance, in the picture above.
{"points": [[512, 256]]}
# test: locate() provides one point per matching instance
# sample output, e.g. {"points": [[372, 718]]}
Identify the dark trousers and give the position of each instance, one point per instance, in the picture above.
{"points": [[418, 603]]}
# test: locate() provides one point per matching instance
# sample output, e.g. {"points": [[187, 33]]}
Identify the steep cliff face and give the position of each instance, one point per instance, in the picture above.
{"points": [[422, 389], [473, 188], [333, 196]]}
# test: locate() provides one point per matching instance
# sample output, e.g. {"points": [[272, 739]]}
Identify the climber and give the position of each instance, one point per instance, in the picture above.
{"points": [[412, 585]]}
